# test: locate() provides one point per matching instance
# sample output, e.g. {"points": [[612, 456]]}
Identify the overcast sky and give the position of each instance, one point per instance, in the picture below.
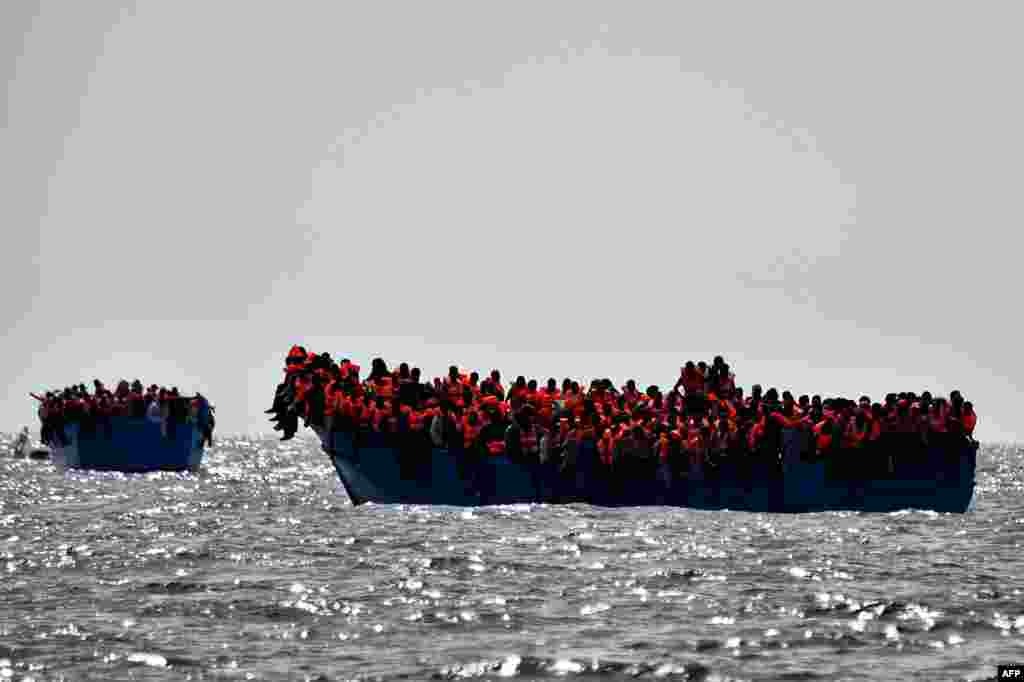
{"points": [[829, 195]]}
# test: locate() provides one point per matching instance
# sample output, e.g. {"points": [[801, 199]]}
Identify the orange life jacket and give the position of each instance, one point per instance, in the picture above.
{"points": [[470, 432], [755, 435], [330, 399], [664, 445], [385, 387], [969, 420], [528, 440], [606, 448], [854, 437]]}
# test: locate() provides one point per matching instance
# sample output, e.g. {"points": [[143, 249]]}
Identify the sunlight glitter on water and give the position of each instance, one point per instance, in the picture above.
{"points": [[256, 566]]}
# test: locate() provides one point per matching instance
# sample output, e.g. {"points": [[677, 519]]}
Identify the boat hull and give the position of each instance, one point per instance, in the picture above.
{"points": [[129, 445], [378, 468]]}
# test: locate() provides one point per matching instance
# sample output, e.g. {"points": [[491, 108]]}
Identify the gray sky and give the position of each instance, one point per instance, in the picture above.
{"points": [[822, 193]]}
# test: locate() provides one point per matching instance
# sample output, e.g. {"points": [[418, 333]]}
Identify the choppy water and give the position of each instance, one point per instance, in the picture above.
{"points": [[258, 568]]}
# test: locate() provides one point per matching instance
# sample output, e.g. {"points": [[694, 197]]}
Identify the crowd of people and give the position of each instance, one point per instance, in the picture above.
{"points": [[705, 418], [95, 409]]}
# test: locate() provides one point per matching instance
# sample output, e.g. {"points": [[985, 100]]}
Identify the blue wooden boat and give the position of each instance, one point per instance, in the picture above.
{"points": [[129, 444], [391, 469]]}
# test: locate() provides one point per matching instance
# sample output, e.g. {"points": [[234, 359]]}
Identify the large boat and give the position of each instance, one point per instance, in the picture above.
{"points": [[388, 469], [130, 445], [705, 447]]}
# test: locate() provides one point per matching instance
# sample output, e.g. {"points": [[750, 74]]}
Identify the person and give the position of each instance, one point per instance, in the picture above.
{"points": [[522, 444]]}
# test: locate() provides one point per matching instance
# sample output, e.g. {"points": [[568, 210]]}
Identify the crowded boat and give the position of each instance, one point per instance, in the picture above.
{"points": [[97, 410], [704, 419]]}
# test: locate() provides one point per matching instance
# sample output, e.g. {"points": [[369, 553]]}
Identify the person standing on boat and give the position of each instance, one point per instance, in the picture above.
{"points": [[522, 445]]}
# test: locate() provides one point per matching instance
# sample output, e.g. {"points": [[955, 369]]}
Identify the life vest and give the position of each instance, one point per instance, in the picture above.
{"points": [[344, 405], [453, 389], [695, 447], [664, 447], [470, 433], [693, 381], [385, 387], [295, 360], [875, 432], [301, 386], [496, 447], [937, 423], [528, 441], [754, 437], [854, 436], [368, 416], [606, 448], [787, 422], [969, 420], [823, 435], [330, 400]]}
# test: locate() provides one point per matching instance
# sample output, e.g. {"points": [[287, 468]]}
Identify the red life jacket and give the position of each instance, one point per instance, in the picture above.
{"points": [[663, 448], [528, 441]]}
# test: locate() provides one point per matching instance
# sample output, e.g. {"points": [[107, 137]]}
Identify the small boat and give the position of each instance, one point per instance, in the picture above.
{"points": [[129, 444], [378, 467], [25, 448]]}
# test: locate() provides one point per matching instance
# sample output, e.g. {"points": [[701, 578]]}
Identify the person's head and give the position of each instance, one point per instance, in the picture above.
{"points": [[531, 385], [474, 378], [719, 361], [631, 385], [755, 391], [525, 415], [495, 376], [453, 372], [566, 385], [415, 374], [403, 370], [969, 407], [575, 387], [520, 381], [552, 385]]}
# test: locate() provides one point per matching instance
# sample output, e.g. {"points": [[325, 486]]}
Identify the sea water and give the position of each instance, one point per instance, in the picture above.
{"points": [[258, 568]]}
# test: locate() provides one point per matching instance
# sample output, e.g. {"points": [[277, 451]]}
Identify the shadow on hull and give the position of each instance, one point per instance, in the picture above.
{"points": [[387, 469], [130, 445]]}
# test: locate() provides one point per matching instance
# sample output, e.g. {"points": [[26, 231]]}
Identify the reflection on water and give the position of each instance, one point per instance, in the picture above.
{"points": [[258, 568]]}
